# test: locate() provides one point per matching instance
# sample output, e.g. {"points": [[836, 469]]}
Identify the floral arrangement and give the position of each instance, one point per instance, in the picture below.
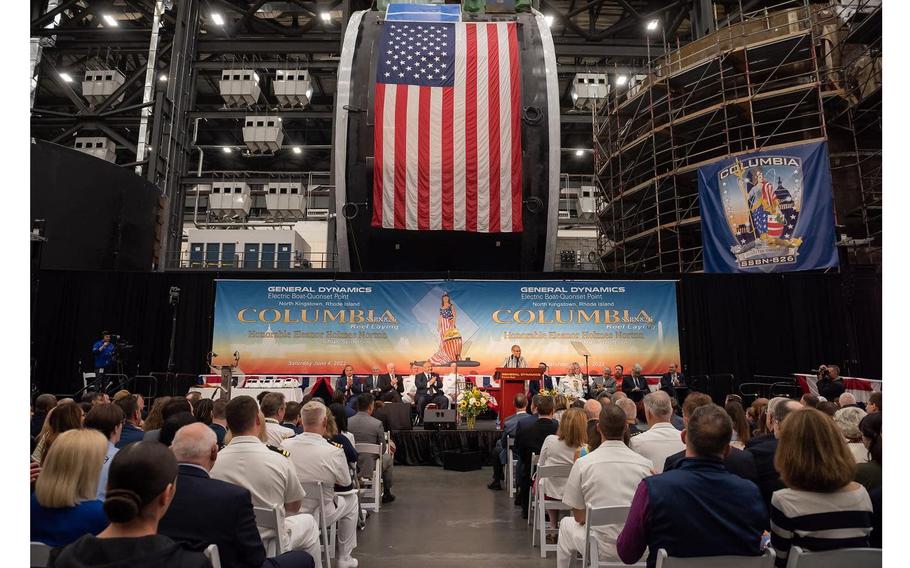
{"points": [[472, 401], [554, 393]]}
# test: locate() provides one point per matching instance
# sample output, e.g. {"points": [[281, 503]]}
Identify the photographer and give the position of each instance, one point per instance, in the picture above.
{"points": [[103, 351], [830, 385]]}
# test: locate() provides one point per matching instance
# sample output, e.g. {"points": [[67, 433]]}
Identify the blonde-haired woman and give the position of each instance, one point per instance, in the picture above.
{"points": [[64, 505], [563, 448]]}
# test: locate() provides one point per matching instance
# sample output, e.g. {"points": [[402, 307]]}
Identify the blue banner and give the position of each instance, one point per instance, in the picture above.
{"points": [[768, 211], [423, 13]]}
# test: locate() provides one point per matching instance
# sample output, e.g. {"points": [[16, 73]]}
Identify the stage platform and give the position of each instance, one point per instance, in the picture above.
{"points": [[425, 447]]}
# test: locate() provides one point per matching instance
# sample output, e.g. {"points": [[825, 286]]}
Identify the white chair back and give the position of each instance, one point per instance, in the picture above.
{"points": [[374, 491], [40, 554], [544, 474], [598, 517], [271, 519], [313, 490], [766, 560], [841, 558], [211, 552]]}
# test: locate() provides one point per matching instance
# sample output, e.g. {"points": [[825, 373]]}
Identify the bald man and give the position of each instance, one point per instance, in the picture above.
{"points": [[209, 511]]}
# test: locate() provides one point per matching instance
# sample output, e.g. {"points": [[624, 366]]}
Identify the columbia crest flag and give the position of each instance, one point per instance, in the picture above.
{"points": [[447, 140], [768, 211]]}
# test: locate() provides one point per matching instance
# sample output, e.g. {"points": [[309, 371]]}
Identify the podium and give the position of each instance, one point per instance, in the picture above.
{"points": [[513, 381]]}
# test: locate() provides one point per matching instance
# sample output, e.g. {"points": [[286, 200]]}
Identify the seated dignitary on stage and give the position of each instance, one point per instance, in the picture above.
{"points": [[573, 384], [672, 379], [662, 439], [534, 386], [501, 448], [606, 477], [699, 508], [142, 483], [390, 385], [273, 408], [317, 459], [368, 430], [636, 385], [348, 384], [609, 385], [209, 511], [268, 474], [451, 382], [409, 384], [529, 438], [429, 389], [737, 461], [515, 360]]}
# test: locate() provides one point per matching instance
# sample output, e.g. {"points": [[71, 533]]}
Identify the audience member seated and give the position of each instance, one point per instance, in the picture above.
{"points": [[194, 398], [132, 424], [381, 413], [273, 409], [65, 503], [626, 405], [757, 415], [828, 407], [368, 430], [333, 435], [96, 398], [592, 410], [869, 473], [809, 400], [268, 474], [821, 508], [142, 483], [172, 407], [317, 459], [43, 404], [107, 419], [154, 420], [737, 461], [560, 404], [662, 439], [208, 511], [875, 402], [219, 422], [606, 477], [174, 423], [741, 430], [563, 448], [768, 478], [60, 419], [529, 439], [292, 417], [699, 508], [501, 448], [847, 420], [202, 410]]}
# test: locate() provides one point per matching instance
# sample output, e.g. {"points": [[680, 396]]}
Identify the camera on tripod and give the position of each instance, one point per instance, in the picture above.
{"points": [[174, 295]]}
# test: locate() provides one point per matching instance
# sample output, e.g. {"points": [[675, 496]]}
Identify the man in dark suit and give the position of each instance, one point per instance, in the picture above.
{"points": [[348, 384], [208, 511], [529, 438], [737, 461], [390, 386], [672, 379], [429, 389], [534, 386], [635, 386]]}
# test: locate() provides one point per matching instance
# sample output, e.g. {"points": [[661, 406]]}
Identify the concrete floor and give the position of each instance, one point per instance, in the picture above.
{"points": [[447, 519]]}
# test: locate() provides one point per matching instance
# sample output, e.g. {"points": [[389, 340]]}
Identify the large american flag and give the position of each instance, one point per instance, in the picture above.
{"points": [[448, 128]]}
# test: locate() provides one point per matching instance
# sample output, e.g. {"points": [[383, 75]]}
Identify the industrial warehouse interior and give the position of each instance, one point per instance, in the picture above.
{"points": [[537, 283]]}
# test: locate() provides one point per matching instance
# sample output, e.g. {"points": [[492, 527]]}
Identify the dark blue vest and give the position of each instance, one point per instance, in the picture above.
{"points": [[701, 509]]}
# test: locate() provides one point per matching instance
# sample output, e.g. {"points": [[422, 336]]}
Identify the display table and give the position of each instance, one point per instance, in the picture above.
{"points": [[290, 394]]}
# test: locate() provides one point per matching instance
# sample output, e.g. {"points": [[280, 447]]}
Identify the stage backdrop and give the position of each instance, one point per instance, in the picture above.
{"points": [[768, 211], [304, 327]]}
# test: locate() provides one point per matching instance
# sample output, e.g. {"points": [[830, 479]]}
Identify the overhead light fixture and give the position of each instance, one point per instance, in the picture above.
{"points": [[652, 25], [579, 153], [162, 77], [226, 149], [621, 80], [298, 150], [549, 20], [326, 17], [217, 19], [109, 20], [66, 77]]}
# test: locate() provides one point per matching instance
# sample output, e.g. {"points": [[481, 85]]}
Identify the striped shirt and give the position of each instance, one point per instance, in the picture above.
{"points": [[819, 521]]}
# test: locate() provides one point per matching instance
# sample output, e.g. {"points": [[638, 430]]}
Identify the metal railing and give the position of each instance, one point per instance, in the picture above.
{"points": [[240, 261]]}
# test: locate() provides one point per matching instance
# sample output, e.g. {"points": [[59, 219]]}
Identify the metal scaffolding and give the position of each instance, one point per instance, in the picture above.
{"points": [[759, 83]]}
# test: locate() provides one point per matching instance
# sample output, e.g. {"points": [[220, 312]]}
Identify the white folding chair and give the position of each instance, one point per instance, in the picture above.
{"points": [[510, 466], [598, 517], [766, 560], [545, 473], [88, 378], [840, 558], [271, 519], [211, 552], [373, 492], [40, 554], [534, 458], [327, 544]]}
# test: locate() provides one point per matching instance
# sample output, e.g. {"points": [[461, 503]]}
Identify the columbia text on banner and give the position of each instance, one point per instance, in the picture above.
{"points": [[768, 211], [319, 326], [447, 135]]}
